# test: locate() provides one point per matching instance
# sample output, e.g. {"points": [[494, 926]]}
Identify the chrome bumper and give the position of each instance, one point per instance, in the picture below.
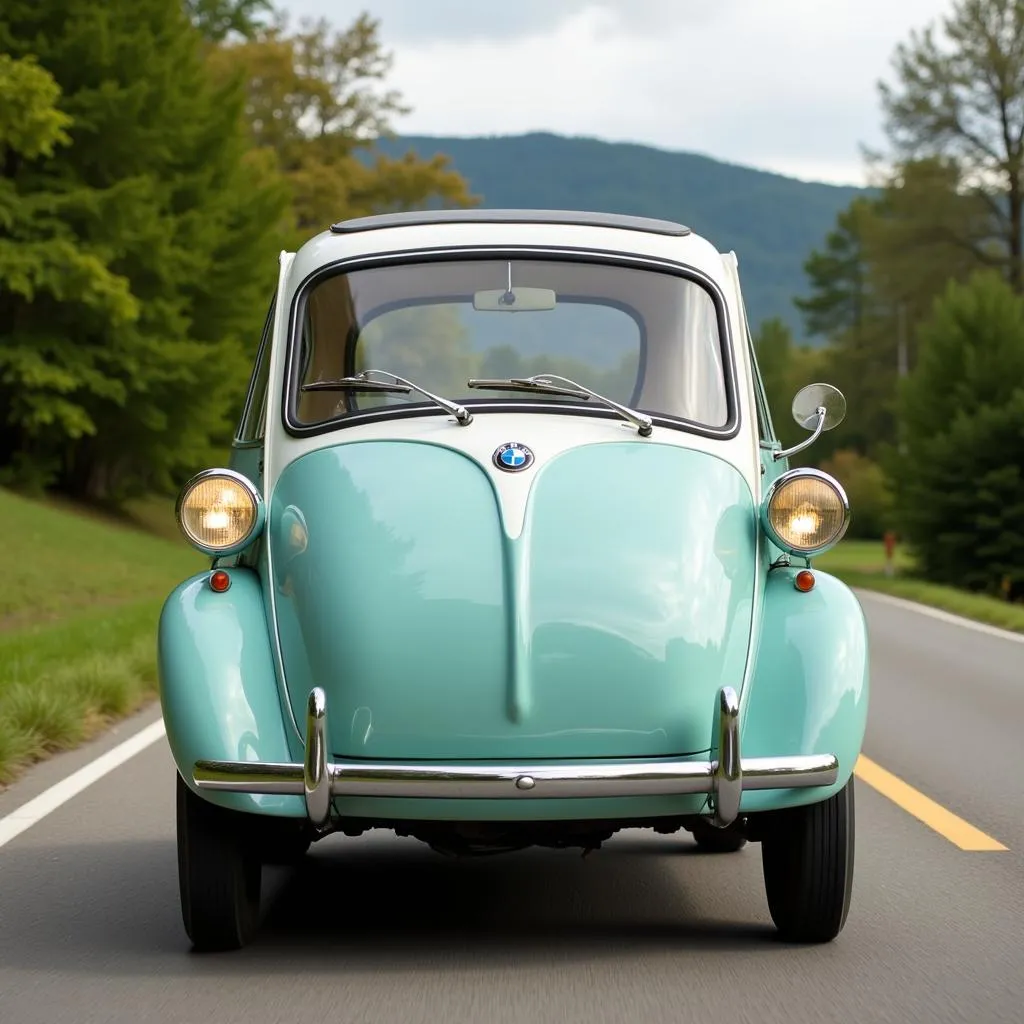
{"points": [[318, 779]]}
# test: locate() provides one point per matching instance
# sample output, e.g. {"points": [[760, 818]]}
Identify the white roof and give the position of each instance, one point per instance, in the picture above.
{"points": [[393, 233]]}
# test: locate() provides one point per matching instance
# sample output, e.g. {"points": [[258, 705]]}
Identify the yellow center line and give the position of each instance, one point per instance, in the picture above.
{"points": [[935, 816]]}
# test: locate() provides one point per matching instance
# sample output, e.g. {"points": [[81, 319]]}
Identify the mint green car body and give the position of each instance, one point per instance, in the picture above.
{"points": [[494, 670], [487, 656]]}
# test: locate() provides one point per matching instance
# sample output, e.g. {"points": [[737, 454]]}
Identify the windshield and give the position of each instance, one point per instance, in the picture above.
{"points": [[644, 338]]}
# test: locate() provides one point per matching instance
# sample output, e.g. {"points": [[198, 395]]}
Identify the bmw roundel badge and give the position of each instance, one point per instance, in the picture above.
{"points": [[513, 456]]}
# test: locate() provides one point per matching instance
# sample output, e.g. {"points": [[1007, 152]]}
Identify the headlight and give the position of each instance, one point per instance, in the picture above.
{"points": [[806, 511], [219, 511]]}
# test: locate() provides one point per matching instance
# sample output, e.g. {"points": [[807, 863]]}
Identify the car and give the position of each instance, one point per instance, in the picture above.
{"points": [[507, 553]]}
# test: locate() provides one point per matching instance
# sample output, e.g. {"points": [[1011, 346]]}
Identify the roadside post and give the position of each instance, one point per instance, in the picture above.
{"points": [[890, 551]]}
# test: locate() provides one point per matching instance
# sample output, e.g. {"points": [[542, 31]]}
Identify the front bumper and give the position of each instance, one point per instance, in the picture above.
{"points": [[319, 779]]}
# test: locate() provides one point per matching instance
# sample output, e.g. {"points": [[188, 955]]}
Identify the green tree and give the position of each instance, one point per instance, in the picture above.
{"points": [[960, 98], [218, 19], [785, 368], [924, 233], [40, 259], [132, 285], [959, 479], [31, 125], [867, 489], [847, 306], [839, 276], [316, 105], [876, 280]]}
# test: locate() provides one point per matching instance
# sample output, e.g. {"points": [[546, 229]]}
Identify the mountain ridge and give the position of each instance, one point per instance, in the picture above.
{"points": [[772, 221]]}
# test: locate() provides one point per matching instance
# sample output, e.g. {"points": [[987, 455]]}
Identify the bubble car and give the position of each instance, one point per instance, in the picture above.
{"points": [[507, 553]]}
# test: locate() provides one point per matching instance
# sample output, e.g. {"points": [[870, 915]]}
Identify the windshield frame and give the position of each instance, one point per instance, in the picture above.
{"points": [[523, 404]]}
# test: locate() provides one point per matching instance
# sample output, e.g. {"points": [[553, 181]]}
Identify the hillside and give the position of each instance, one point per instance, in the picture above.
{"points": [[68, 561], [772, 222], [77, 617]]}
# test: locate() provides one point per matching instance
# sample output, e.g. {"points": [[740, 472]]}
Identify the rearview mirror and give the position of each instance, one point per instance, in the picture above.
{"points": [[514, 300], [813, 397]]}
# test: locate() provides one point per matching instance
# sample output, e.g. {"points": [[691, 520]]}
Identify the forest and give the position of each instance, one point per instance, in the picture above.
{"points": [[157, 154]]}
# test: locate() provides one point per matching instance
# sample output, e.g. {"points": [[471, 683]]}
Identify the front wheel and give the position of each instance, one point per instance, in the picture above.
{"points": [[807, 860], [219, 875]]}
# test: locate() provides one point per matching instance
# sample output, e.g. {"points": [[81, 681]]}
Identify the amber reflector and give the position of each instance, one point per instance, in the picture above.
{"points": [[804, 580], [220, 581]]}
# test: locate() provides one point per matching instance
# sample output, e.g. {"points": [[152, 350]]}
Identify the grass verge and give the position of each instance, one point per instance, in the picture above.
{"points": [[78, 612], [62, 684], [862, 564], [60, 560]]}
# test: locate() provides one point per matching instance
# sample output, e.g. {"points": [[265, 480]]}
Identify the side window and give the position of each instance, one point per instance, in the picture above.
{"points": [[253, 421]]}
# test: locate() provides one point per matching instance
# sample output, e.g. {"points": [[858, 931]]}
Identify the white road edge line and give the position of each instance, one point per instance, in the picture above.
{"points": [[937, 613], [25, 816]]}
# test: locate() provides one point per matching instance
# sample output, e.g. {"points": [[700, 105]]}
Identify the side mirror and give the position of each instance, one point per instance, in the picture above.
{"points": [[813, 397], [816, 407]]}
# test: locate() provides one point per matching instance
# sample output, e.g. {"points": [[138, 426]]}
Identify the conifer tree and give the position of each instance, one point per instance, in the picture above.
{"points": [[135, 272]]}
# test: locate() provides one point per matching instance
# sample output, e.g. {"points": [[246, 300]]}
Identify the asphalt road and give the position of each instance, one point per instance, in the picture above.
{"points": [[378, 929]]}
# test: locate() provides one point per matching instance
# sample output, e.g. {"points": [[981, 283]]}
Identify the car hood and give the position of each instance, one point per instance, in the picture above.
{"points": [[603, 628]]}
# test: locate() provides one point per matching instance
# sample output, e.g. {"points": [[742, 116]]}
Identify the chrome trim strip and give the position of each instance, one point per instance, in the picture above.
{"points": [[513, 781], [271, 473], [728, 773], [316, 777]]}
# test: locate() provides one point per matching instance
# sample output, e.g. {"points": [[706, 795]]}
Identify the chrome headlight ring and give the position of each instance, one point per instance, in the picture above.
{"points": [[778, 486], [233, 479]]}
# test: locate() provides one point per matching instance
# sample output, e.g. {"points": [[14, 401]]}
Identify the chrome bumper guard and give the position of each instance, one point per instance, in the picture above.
{"points": [[318, 779]]}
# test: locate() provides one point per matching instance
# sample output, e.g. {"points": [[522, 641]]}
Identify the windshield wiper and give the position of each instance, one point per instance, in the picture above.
{"points": [[545, 383], [397, 385]]}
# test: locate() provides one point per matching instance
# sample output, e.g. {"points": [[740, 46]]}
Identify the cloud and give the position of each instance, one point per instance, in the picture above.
{"points": [[788, 85], [427, 21]]}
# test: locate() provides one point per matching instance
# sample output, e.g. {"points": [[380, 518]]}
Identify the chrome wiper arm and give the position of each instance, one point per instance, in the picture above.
{"points": [[398, 385], [546, 382], [524, 384], [355, 384]]}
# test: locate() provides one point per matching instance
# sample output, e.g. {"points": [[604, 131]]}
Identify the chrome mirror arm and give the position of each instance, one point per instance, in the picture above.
{"points": [[819, 426]]}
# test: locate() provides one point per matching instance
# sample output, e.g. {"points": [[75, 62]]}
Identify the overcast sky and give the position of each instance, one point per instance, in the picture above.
{"points": [[787, 85]]}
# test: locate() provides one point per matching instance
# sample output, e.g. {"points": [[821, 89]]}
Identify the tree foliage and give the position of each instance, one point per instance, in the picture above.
{"points": [[959, 479], [959, 98], [156, 155], [218, 19], [867, 489], [315, 107], [875, 281], [128, 293], [31, 125], [916, 291], [840, 297], [786, 367]]}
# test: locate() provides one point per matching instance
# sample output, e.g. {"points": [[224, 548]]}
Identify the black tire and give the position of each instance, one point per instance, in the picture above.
{"points": [[219, 876], [807, 858], [717, 840]]}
